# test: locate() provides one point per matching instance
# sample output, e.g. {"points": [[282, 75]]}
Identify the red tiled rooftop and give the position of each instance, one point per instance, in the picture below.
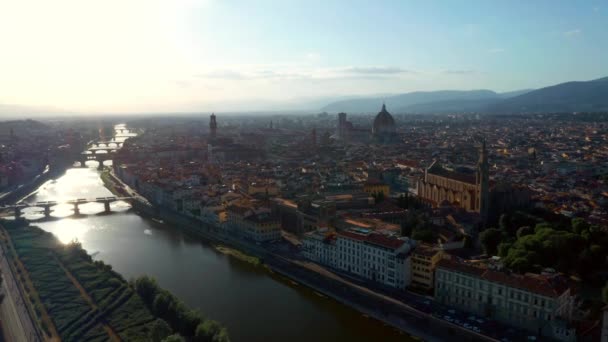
{"points": [[384, 241], [539, 284]]}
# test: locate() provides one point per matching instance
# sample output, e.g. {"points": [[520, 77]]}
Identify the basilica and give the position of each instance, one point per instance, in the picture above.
{"points": [[383, 130], [469, 191]]}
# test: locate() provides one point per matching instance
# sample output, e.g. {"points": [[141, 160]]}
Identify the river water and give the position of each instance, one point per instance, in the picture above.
{"points": [[254, 304]]}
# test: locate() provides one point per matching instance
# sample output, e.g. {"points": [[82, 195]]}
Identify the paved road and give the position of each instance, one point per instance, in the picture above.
{"points": [[17, 324]]}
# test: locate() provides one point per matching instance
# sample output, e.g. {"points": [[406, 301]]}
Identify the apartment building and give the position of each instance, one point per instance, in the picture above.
{"points": [[540, 303], [424, 260], [370, 255]]}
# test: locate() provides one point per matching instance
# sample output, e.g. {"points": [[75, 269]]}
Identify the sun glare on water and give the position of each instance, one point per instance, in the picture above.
{"points": [[70, 230]]}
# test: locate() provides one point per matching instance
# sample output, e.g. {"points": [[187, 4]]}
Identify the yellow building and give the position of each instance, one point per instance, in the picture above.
{"points": [[424, 260], [373, 186]]}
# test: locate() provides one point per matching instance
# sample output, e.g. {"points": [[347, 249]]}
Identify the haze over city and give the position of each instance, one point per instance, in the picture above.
{"points": [[327, 171], [207, 55]]}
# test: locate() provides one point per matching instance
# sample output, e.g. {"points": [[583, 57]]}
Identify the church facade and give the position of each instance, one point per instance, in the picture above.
{"points": [[469, 191]]}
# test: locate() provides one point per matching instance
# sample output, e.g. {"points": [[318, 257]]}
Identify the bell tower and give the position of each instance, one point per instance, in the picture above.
{"points": [[483, 182], [212, 126]]}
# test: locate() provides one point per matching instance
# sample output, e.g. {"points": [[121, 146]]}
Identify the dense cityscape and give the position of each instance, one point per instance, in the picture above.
{"points": [[303, 171], [482, 227]]}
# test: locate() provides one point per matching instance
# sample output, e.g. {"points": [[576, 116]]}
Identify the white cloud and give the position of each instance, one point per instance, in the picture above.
{"points": [[299, 72], [573, 33], [496, 50], [313, 56], [459, 71]]}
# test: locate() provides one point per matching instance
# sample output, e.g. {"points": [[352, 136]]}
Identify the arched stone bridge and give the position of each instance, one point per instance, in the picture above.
{"points": [[18, 208]]}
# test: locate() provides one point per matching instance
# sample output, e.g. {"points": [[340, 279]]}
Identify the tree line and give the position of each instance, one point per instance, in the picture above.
{"points": [[175, 316]]}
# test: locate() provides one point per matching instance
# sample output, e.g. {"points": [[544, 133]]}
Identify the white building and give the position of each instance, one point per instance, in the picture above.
{"points": [[374, 256], [541, 304]]}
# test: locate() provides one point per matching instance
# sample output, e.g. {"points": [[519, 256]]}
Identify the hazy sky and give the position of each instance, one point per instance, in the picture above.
{"points": [[160, 55]]}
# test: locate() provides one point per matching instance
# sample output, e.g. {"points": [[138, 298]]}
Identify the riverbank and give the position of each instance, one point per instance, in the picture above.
{"points": [[26, 189], [76, 298], [239, 255]]}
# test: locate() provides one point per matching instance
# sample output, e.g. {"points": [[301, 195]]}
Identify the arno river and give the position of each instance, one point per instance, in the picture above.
{"points": [[254, 304]]}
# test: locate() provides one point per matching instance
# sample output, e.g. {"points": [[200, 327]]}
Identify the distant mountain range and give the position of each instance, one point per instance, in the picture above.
{"points": [[564, 97]]}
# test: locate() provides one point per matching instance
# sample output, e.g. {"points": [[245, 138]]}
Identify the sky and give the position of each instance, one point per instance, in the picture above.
{"points": [[214, 55]]}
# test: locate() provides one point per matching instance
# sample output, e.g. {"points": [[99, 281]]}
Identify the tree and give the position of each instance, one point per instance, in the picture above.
{"points": [[579, 225], [161, 305], [206, 331], [541, 226], [174, 338], [222, 336], [147, 288], [503, 222], [523, 231], [503, 249], [189, 321], [490, 239], [406, 230], [159, 330], [424, 234]]}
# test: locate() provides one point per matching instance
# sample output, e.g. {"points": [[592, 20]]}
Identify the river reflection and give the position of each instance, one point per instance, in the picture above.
{"points": [[254, 304]]}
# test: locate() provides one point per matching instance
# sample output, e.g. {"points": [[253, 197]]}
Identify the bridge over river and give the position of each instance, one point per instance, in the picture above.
{"points": [[48, 205]]}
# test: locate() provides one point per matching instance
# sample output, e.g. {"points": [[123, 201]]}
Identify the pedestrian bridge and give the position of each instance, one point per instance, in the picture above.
{"points": [[48, 205]]}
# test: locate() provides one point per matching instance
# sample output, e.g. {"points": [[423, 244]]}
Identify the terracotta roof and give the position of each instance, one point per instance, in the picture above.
{"points": [[438, 170], [384, 241], [460, 267], [352, 235], [549, 286], [425, 250]]}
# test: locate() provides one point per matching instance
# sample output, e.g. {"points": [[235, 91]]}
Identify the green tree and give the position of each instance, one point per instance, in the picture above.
{"points": [[523, 231], [579, 225], [222, 336], [504, 223], [424, 234], [174, 338], [541, 226], [206, 331], [147, 288], [159, 330], [503, 249], [490, 239], [162, 304], [406, 230], [189, 321]]}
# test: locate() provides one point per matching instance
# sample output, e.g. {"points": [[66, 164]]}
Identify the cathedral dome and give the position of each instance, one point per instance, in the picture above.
{"points": [[383, 123]]}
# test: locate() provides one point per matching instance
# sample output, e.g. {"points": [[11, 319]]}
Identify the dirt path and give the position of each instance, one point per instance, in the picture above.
{"points": [[113, 335]]}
